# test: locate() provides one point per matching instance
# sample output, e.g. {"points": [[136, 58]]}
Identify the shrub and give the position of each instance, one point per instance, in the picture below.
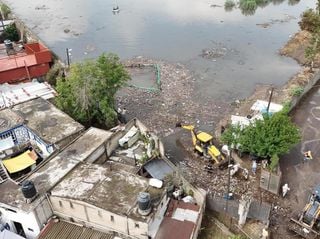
{"points": [[297, 91], [11, 33], [310, 21], [229, 4], [274, 162], [248, 7], [5, 11]]}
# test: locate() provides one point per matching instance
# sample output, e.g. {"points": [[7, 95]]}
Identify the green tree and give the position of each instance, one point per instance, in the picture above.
{"points": [[87, 93], [274, 135], [310, 21], [11, 33]]}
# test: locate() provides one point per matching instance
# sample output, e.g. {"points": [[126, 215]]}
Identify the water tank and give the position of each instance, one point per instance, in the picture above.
{"points": [[144, 203], [28, 189], [8, 44]]}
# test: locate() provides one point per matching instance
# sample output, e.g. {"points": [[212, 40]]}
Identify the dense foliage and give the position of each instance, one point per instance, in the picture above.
{"points": [[87, 93], [310, 20], [11, 33], [5, 11], [274, 135]]}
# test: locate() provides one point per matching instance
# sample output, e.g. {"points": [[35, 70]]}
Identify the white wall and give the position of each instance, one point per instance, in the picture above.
{"points": [[31, 222], [154, 224], [27, 220], [98, 218]]}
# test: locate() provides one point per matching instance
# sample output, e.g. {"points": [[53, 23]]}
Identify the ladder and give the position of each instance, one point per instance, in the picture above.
{"points": [[3, 173]]}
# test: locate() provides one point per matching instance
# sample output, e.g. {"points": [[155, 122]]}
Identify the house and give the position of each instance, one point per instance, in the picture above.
{"points": [[28, 216], [29, 133], [106, 182]]}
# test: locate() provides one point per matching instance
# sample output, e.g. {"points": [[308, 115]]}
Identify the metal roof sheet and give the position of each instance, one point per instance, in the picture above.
{"points": [[158, 168], [11, 95], [66, 230]]}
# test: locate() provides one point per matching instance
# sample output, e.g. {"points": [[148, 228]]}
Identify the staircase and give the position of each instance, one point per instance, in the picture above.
{"points": [[3, 173]]}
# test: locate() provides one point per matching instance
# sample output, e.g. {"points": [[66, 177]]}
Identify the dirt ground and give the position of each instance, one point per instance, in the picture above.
{"points": [[296, 46]]}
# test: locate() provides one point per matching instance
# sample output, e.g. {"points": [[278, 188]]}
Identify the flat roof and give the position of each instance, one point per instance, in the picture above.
{"points": [[55, 168], [9, 119], [48, 122], [65, 230], [105, 187]]}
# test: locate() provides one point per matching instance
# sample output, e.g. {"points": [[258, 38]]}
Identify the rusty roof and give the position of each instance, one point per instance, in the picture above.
{"points": [[175, 226], [65, 230]]}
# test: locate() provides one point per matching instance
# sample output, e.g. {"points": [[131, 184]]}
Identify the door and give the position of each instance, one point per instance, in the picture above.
{"points": [[19, 229]]}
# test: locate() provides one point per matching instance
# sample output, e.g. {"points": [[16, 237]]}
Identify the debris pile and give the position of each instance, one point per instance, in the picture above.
{"points": [[176, 102]]}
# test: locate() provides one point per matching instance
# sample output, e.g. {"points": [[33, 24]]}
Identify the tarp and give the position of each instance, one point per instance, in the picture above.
{"points": [[6, 143], [261, 106], [158, 168], [20, 162]]}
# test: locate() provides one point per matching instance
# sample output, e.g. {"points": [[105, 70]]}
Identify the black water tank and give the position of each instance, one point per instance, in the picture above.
{"points": [[144, 201], [28, 189]]}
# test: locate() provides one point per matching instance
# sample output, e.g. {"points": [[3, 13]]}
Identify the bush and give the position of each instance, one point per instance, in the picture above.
{"points": [[297, 91], [248, 7], [274, 162], [11, 33], [55, 71], [5, 11], [229, 4], [310, 21]]}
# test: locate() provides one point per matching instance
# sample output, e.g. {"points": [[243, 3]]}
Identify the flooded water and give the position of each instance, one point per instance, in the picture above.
{"points": [[227, 51]]}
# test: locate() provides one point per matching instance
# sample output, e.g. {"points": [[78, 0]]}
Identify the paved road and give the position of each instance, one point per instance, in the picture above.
{"points": [[302, 177]]}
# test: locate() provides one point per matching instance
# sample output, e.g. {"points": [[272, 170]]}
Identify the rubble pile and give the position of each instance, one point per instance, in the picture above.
{"points": [[175, 102]]}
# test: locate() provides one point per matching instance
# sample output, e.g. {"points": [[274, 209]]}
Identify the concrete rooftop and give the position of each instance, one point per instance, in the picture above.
{"points": [[56, 167], [9, 119], [114, 190], [47, 121]]}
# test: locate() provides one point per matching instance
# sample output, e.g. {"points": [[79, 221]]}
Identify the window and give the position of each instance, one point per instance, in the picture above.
{"points": [[11, 210], [136, 225], [60, 204], [111, 218]]}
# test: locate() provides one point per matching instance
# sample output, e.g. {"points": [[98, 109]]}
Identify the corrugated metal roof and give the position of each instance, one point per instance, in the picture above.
{"points": [[11, 95], [66, 230], [158, 168], [180, 221]]}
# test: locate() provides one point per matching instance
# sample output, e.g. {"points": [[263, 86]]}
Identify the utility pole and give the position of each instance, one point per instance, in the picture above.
{"points": [[270, 98], [229, 175], [68, 52]]}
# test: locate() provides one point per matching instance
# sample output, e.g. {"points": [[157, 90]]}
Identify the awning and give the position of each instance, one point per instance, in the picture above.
{"points": [[158, 168], [20, 162]]}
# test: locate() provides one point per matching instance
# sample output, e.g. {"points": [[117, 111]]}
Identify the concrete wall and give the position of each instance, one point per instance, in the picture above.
{"points": [[98, 218], [155, 222], [31, 222], [295, 101]]}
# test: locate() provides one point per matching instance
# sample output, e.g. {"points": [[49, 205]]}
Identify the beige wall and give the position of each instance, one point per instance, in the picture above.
{"points": [[100, 219]]}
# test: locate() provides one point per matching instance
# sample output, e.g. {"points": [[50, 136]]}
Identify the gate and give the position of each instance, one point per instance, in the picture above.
{"points": [[270, 181]]}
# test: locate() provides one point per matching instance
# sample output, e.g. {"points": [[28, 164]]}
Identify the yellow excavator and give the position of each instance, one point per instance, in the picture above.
{"points": [[203, 143]]}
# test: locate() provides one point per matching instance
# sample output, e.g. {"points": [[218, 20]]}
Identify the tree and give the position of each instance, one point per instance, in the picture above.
{"points": [[11, 33], [87, 93], [310, 21], [270, 136]]}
